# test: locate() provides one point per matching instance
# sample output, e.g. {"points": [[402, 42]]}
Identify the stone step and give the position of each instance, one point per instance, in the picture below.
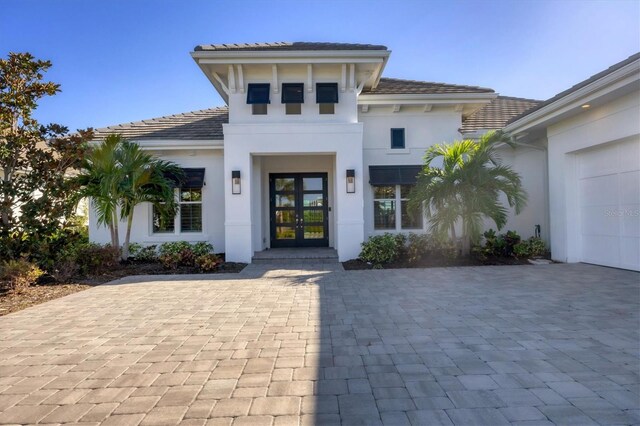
{"points": [[296, 255]]}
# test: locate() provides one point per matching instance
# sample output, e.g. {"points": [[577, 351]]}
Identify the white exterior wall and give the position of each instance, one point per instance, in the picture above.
{"points": [[212, 205], [421, 131], [609, 123]]}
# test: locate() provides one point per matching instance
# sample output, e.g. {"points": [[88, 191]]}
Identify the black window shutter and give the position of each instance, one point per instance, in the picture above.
{"points": [[258, 93], [394, 175], [327, 93], [292, 93]]}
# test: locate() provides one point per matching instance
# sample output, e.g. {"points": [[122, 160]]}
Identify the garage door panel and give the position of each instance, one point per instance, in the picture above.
{"points": [[608, 185], [599, 191], [600, 220], [601, 249], [629, 252], [630, 220], [598, 162], [629, 187]]}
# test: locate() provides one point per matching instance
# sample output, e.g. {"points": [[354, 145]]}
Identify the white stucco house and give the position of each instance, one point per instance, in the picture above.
{"points": [[316, 148]]}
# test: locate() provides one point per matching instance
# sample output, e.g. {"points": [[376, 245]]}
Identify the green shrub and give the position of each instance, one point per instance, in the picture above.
{"points": [[208, 262], [147, 254], [498, 245], [201, 248], [530, 248], [96, 259], [18, 274], [421, 247], [380, 250]]}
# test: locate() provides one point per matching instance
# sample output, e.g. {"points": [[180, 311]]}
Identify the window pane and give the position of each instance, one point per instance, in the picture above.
{"points": [[285, 200], [405, 190], [259, 109], [313, 200], [191, 217], [327, 108], [384, 214], [384, 192], [285, 184], [293, 109], [162, 225], [409, 221], [285, 216], [397, 138], [191, 195], [312, 232], [312, 184], [285, 232], [313, 216]]}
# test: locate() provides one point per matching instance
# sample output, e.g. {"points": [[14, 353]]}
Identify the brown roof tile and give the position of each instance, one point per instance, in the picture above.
{"points": [[394, 86], [496, 114], [284, 45], [203, 124]]}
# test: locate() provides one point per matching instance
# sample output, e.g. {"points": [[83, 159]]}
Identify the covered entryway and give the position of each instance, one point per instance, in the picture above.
{"points": [[609, 205], [298, 209]]}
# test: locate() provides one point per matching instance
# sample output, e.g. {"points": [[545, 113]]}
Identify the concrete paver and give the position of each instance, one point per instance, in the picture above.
{"points": [[319, 345]]}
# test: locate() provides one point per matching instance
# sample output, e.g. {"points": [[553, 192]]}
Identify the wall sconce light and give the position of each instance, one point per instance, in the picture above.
{"points": [[351, 181], [235, 182]]}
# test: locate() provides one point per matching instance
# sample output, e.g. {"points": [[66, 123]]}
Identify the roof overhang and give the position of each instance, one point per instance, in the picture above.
{"points": [[467, 103], [216, 65], [607, 88]]}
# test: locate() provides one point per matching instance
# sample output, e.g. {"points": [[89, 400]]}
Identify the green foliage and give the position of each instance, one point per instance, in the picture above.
{"points": [[37, 198], [380, 250], [533, 247], [118, 175], [18, 274], [144, 253], [208, 262], [421, 247], [95, 259], [501, 245], [181, 253], [466, 188]]}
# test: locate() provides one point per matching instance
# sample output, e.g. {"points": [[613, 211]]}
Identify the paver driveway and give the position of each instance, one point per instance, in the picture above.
{"points": [[487, 345]]}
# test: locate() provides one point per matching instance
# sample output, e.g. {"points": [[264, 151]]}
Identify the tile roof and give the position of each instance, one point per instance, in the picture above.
{"points": [[284, 45], [203, 124], [395, 86], [580, 85], [497, 113]]}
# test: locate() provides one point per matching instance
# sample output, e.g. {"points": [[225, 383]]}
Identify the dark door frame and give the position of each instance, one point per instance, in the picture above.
{"points": [[298, 192]]}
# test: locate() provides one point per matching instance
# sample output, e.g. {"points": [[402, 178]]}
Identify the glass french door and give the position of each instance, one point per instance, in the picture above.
{"points": [[298, 210]]}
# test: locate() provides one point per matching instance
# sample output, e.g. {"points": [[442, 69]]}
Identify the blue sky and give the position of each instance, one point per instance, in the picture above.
{"points": [[126, 60]]}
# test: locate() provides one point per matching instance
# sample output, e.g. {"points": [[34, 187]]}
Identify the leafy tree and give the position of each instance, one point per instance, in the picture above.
{"points": [[118, 175], [36, 196], [465, 186]]}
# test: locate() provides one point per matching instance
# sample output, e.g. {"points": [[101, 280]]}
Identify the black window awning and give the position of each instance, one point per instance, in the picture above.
{"points": [[292, 93], [193, 179], [258, 93], [327, 93], [393, 175]]}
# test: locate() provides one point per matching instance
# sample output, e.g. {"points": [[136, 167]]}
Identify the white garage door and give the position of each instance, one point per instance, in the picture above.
{"points": [[609, 202]]}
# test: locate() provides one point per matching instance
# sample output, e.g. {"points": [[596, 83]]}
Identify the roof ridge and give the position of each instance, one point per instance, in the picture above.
{"points": [[435, 82]]}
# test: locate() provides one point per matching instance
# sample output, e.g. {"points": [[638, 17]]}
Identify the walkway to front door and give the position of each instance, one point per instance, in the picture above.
{"points": [[298, 210]]}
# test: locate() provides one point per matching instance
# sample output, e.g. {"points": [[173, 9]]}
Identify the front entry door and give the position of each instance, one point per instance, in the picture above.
{"points": [[298, 210]]}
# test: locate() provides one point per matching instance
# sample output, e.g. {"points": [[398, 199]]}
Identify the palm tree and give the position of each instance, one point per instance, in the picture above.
{"points": [[466, 188], [119, 175]]}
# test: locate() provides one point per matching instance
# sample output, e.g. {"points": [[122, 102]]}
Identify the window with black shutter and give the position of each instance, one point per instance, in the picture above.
{"points": [[326, 97], [293, 97], [258, 97]]}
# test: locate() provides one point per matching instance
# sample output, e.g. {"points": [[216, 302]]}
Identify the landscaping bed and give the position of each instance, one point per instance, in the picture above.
{"points": [[359, 264], [17, 300]]}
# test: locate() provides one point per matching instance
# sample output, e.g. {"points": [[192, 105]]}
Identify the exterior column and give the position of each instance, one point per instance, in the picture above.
{"points": [[349, 214], [237, 209]]}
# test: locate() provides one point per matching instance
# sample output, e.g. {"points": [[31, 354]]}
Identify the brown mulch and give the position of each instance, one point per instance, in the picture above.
{"points": [[12, 301], [357, 264]]}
